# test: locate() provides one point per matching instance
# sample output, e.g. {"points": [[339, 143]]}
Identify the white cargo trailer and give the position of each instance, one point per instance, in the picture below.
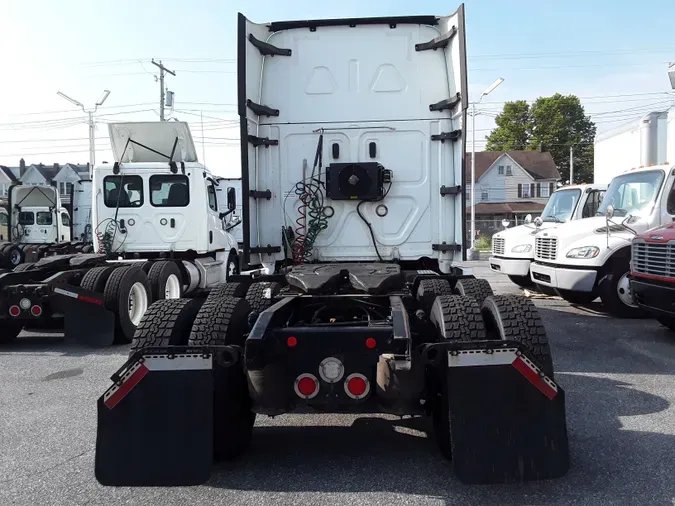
{"points": [[640, 143]]}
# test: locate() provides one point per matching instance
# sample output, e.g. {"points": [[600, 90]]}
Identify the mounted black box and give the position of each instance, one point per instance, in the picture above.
{"points": [[355, 181]]}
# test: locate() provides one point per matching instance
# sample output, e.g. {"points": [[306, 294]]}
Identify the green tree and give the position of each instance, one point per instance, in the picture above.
{"points": [[551, 123]]}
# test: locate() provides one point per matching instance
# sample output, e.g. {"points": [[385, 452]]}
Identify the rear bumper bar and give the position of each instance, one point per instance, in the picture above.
{"points": [[654, 297]]}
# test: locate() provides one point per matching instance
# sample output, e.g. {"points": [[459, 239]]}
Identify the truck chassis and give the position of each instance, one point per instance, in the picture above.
{"points": [[338, 338]]}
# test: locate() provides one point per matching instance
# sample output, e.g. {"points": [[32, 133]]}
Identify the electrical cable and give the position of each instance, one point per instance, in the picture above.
{"points": [[368, 224]]}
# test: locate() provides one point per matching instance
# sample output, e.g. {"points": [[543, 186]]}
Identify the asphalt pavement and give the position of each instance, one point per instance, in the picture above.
{"points": [[618, 376]]}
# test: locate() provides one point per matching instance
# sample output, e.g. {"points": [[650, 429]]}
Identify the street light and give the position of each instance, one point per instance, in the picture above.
{"points": [[487, 91], [90, 113]]}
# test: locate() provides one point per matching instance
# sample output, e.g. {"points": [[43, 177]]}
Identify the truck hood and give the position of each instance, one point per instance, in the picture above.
{"points": [[662, 234], [159, 136], [516, 236]]}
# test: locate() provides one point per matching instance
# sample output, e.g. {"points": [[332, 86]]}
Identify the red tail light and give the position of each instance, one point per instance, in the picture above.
{"points": [[306, 386], [36, 310], [371, 343], [357, 386], [14, 311], [292, 341]]}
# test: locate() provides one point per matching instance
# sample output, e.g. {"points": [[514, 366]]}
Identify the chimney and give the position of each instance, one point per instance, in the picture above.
{"points": [[57, 167], [22, 167]]}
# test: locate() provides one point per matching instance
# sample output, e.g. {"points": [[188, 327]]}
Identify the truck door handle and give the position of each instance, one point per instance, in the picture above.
{"points": [[173, 223]]}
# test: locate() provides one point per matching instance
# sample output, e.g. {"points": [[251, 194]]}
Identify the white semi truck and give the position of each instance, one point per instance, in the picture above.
{"points": [[513, 248], [39, 225], [353, 139], [639, 143], [591, 258], [158, 234]]}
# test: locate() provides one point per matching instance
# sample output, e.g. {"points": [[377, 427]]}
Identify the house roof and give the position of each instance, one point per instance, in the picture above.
{"points": [[509, 207], [48, 171], [538, 164], [8, 172]]}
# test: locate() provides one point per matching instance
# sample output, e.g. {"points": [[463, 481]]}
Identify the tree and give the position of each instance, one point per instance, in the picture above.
{"points": [[551, 123]]}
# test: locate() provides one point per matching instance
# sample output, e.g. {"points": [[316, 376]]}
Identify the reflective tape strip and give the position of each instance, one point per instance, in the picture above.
{"points": [[506, 356], [65, 292], [137, 372]]}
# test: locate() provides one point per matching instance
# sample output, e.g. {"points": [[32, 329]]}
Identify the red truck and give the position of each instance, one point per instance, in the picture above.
{"points": [[652, 280]]}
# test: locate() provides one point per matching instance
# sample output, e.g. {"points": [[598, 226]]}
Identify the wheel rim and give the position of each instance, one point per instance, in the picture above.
{"points": [[172, 287], [138, 302], [231, 268], [15, 257], [623, 291]]}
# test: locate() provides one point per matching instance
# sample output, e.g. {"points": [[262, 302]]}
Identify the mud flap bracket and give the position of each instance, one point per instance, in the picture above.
{"points": [[155, 423]]}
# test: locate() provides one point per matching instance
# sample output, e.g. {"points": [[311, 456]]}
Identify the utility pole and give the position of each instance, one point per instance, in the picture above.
{"points": [[162, 69], [571, 164], [90, 121]]}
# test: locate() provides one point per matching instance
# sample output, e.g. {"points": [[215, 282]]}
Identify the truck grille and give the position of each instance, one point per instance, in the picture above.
{"points": [[545, 248], [498, 245], [654, 259]]}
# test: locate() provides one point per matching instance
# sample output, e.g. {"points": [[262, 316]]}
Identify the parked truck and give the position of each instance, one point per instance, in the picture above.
{"points": [[363, 306], [652, 273], [159, 234], [639, 143], [38, 225], [513, 248], [591, 258]]}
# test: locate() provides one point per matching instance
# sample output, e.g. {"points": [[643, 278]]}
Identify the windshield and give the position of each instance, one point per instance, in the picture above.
{"points": [[632, 194], [561, 205]]}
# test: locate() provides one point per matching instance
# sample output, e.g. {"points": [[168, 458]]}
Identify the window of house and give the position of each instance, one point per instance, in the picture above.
{"points": [[544, 190], [4, 188], [484, 193], [4, 220], [26, 218], [44, 218], [65, 219], [65, 188], [525, 191], [169, 191], [501, 170], [123, 191], [213, 201], [508, 170]]}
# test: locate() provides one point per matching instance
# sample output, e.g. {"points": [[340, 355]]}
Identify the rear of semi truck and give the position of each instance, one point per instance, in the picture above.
{"points": [[352, 135]]}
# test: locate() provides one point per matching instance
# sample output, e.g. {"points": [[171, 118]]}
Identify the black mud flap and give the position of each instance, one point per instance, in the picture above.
{"points": [[86, 321], [155, 424], [507, 419]]}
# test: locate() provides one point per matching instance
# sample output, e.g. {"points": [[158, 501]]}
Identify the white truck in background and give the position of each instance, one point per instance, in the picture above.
{"points": [[158, 234], [39, 224], [513, 248], [224, 184], [640, 143], [591, 258]]}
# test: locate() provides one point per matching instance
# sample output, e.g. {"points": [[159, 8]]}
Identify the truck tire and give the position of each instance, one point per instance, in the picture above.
{"points": [[614, 291], [479, 289], [128, 295], [429, 289], [166, 280], [9, 332], [667, 321], [257, 295], [223, 321], [457, 318], [233, 289], [95, 279], [28, 266], [522, 281], [13, 256], [232, 265], [515, 318], [167, 322], [580, 298]]}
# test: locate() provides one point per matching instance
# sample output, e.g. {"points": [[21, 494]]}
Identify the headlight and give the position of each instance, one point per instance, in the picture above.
{"points": [[522, 248], [583, 252]]}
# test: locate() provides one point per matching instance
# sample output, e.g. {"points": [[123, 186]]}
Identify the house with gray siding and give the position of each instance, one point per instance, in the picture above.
{"points": [[510, 185]]}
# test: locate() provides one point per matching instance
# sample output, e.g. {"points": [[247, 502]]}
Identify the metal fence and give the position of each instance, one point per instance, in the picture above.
{"points": [[485, 229]]}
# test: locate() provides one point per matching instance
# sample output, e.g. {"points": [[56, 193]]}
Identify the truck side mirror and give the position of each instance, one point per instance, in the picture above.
{"points": [[609, 212], [528, 219], [231, 199], [538, 221]]}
